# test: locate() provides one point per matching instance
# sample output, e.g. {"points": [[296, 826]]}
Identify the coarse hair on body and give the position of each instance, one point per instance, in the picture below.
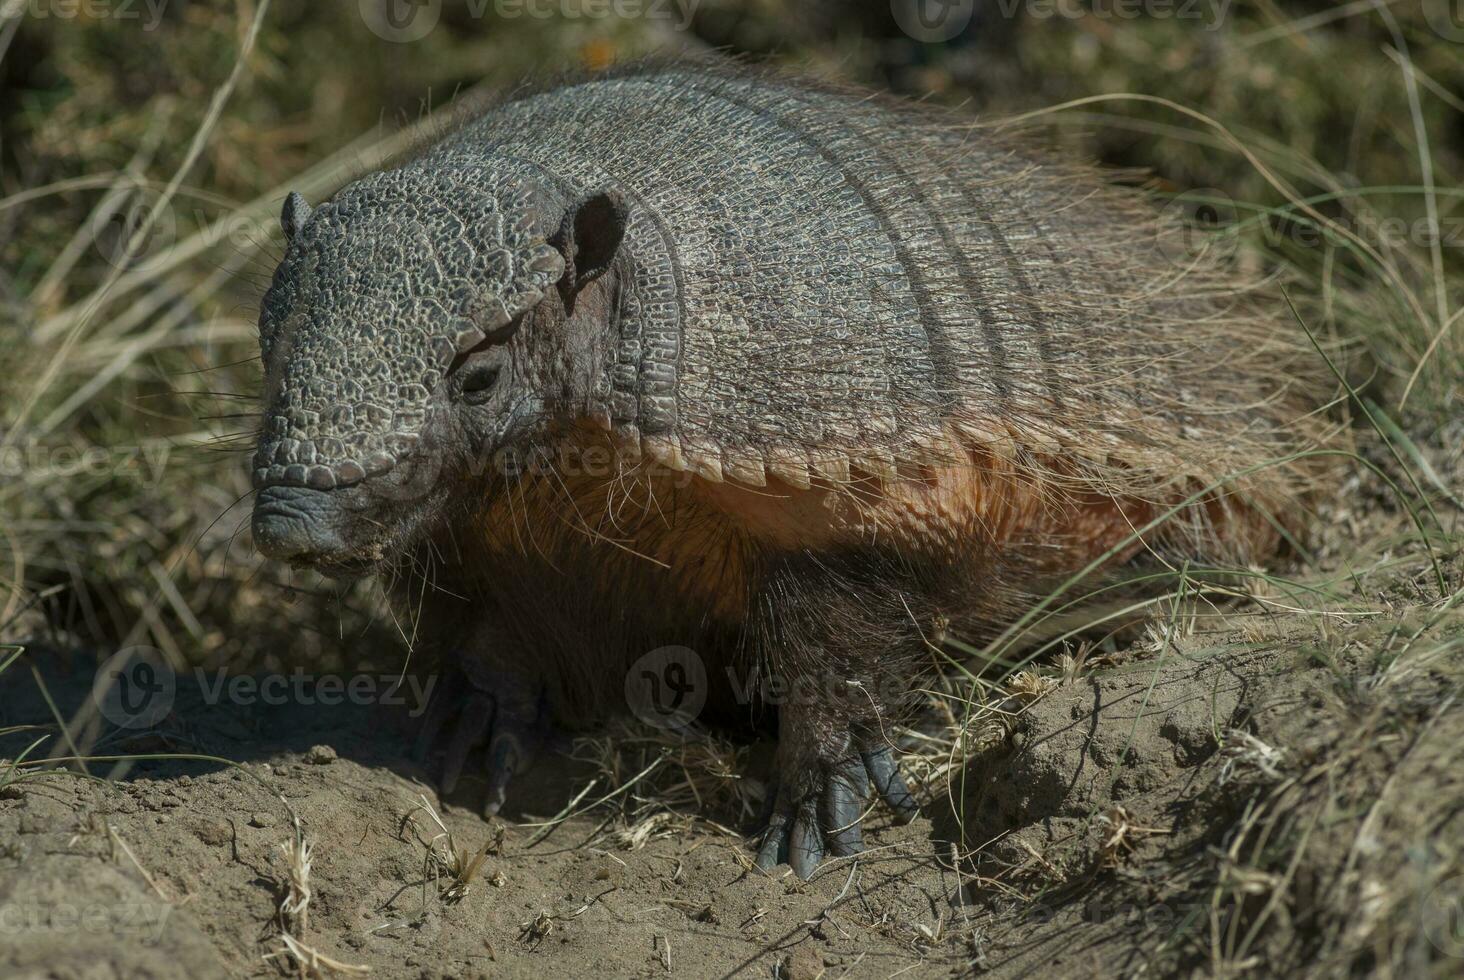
{"points": [[1155, 376], [802, 379]]}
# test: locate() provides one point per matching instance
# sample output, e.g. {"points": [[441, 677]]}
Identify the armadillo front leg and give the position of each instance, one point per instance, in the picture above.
{"points": [[482, 703], [836, 661]]}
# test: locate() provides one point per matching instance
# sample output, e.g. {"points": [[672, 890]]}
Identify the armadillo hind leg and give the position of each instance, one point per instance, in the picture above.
{"points": [[839, 657], [819, 812]]}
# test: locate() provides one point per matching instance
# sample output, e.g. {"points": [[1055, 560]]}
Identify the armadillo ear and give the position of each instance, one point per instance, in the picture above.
{"points": [[294, 214], [589, 237]]}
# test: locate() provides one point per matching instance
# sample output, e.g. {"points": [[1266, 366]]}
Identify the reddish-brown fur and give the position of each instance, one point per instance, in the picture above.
{"points": [[706, 542]]}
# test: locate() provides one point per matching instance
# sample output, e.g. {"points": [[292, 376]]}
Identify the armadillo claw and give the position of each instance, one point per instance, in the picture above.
{"points": [[826, 818], [509, 718], [474, 720], [842, 808], [889, 784]]}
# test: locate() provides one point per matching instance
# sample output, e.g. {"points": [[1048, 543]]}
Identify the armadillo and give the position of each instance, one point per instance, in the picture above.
{"points": [[787, 377]]}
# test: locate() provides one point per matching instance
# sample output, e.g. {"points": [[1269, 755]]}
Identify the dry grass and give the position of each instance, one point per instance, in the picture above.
{"points": [[666, 783], [293, 916], [146, 367], [451, 867]]}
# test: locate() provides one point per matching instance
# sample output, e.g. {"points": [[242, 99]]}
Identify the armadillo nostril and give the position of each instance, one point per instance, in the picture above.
{"points": [[298, 524]]}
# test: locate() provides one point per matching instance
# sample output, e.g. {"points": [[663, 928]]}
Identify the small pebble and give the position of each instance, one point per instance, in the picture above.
{"points": [[804, 963], [213, 832], [321, 755], [42, 815]]}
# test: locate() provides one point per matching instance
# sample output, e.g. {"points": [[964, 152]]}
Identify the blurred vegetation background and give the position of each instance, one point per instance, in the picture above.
{"points": [[128, 372]]}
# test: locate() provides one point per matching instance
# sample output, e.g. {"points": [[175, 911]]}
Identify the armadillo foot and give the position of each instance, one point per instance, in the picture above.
{"points": [[823, 817], [504, 712]]}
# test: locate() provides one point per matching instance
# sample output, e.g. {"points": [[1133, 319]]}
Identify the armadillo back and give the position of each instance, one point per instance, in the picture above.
{"points": [[823, 280]]}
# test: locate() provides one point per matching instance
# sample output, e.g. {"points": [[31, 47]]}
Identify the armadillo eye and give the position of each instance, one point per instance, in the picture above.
{"points": [[478, 382]]}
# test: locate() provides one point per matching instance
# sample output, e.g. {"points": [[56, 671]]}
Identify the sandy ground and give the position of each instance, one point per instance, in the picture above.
{"points": [[1103, 815]]}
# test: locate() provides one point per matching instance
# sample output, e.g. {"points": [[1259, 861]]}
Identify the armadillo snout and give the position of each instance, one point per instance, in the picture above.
{"points": [[302, 526]]}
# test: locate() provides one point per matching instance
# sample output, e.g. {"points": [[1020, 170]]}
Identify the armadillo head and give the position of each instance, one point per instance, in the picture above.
{"points": [[408, 332]]}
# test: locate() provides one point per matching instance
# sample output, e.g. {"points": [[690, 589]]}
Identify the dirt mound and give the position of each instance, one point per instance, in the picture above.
{"points": [[1189, 807], [207, 841], [1223, 808]]}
